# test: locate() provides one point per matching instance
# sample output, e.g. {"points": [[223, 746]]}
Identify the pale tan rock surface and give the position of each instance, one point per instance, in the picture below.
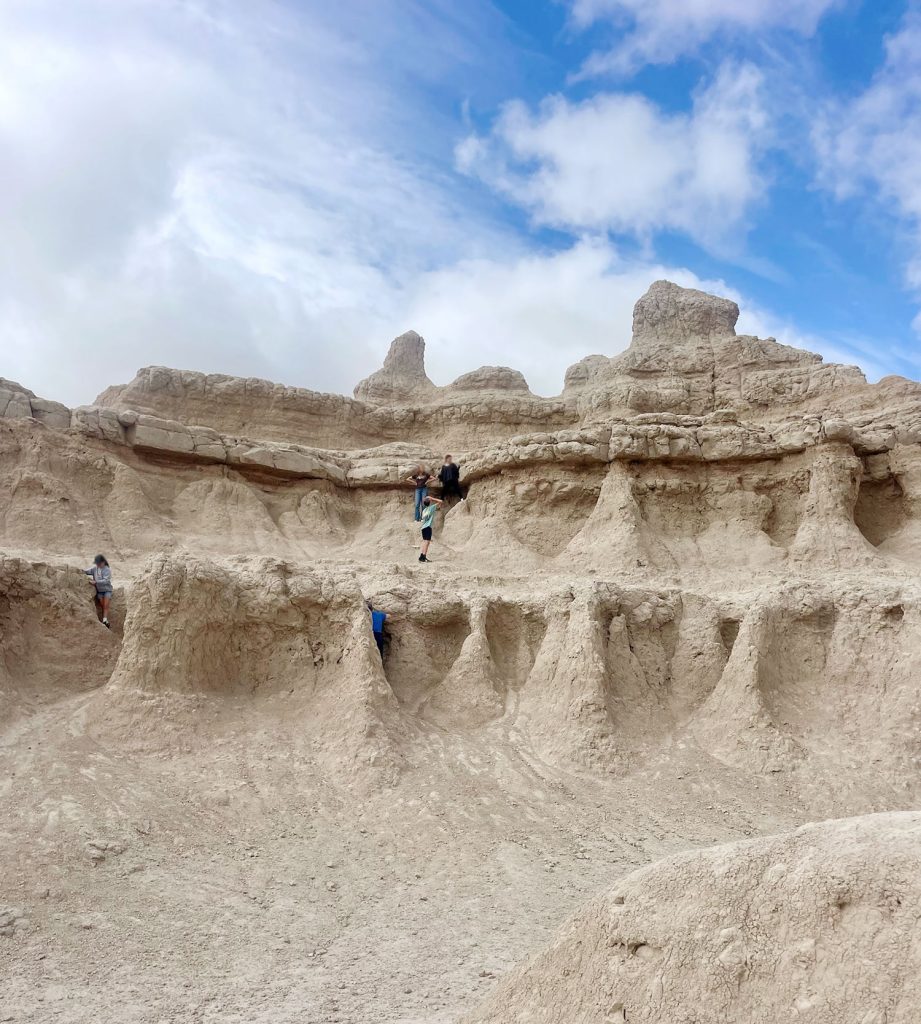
{"points": [[680, 606], [820, 924], [402, 378]]}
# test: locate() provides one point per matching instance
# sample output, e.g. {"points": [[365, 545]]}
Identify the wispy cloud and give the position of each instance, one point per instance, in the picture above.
{"points": [[870, 146], [218, 186], [660, 31]]}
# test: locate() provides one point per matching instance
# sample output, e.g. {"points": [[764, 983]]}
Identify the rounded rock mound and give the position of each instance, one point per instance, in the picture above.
{"points": [[492, 378], [819, 925]]}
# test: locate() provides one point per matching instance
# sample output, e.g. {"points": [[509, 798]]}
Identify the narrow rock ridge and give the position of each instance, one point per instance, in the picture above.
{"points": [[685, 359]]}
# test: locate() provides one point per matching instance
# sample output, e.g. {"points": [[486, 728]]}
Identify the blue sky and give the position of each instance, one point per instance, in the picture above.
{"points": [[277, 189]]}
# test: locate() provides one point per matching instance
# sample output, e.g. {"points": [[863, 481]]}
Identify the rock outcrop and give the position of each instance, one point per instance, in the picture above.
{"points": [[685, 357], [675, 317], [17, 402], [402, 379], [491, 378], [50, 648]]}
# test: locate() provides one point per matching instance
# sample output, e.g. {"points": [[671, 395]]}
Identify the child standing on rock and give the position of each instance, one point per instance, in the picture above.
{"points": [[420, 478], [429, 511], [101, 575]]}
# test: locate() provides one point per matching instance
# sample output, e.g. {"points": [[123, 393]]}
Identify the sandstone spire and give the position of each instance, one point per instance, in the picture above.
{"points": [[402, 377]]}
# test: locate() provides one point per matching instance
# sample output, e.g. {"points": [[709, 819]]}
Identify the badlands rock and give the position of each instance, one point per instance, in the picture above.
{"points": [[685, 357], [674, 316], [402, 379], [679, 606], [820, 924], [492, 378], [17, 402], [49, 644], [296, 641], [685, 360]]}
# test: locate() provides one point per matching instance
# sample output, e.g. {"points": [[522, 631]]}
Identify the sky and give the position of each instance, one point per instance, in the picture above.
{"points": [[278, 188]]}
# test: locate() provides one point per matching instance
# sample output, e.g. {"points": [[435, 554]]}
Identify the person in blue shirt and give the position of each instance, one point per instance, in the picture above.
{"points": [[377, 627]]}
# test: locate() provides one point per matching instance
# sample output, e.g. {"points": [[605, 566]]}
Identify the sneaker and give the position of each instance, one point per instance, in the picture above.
{"points": [[105, 622], [422, 558]]}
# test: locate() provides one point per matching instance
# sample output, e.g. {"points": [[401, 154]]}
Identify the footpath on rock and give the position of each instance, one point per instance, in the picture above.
{"points": [[675, 624]]}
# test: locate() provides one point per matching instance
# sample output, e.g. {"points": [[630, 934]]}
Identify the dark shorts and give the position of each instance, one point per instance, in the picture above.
{"points": [[426, 533], [103, 593]]}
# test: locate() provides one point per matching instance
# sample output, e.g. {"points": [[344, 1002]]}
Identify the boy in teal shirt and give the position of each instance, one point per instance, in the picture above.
{"points": [[429, 511]]}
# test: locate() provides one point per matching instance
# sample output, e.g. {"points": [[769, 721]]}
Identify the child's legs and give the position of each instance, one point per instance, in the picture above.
{"points": [[104, 601], [97, 604], [426, 539]]}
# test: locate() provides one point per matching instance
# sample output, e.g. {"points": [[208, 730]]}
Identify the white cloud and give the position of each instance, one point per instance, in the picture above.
{"points": [[871, 145], [660, 31], [543, 312], [255, 191], [219, 187], [617, 162]]}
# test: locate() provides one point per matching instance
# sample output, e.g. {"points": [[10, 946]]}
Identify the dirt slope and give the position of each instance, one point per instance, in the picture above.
{"points": [[820, 924]]}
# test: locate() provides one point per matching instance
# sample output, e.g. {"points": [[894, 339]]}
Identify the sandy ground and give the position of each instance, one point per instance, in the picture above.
{"points": [[231, 880]]}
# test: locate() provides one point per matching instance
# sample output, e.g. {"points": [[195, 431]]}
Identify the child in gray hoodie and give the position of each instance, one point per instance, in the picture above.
{"points": [[101, 575]]}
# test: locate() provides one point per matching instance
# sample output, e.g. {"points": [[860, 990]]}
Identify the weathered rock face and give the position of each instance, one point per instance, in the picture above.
{"points": [[791, 926], [17, 402], [671, 315], [686, 591], [801, 494], [492, 378], [46, 629], [294, 642], [402, 379], [685, 357], [492, 407], [685, 360]]}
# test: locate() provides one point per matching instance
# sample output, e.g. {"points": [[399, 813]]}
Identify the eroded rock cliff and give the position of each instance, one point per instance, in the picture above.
{"points": [[679, 605]]}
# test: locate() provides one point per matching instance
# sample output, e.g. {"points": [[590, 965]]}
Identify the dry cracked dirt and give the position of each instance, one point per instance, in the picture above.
{"points": [[644, 746]]}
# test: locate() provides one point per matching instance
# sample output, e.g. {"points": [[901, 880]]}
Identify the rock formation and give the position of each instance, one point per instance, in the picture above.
{"points": [[763, 931], [679, 606], [402, 378], [685, 357]]}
